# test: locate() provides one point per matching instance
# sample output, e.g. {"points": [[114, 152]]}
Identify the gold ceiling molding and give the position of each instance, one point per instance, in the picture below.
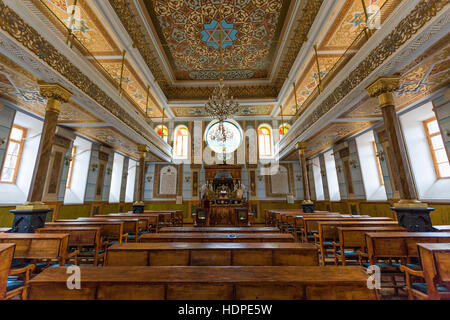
{"points": [[415, 20], [128, 18], [13, 24]]}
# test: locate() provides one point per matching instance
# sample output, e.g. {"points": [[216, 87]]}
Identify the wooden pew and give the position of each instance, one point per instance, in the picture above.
{"points": [[328, 232], [435, 260], [152, 219], [311, 224], [299, 223], [212, 254], [87, 238], [131, 226], [161, 217], [353, 239], [442, 228], [6, 255], [216, 237], [5, 230], [219, 229], [40, 246], [205, 283], [144, 221], [110, 230]]}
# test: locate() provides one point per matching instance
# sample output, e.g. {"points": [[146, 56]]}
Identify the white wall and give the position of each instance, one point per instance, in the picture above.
{"points": [[116, 179], [131, 181], [75, 194], [17, 193], [367, 159], [333, 184], [428, 186], [318, 179]]}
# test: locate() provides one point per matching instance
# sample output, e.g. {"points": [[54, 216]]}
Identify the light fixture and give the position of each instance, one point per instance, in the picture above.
{"points": [[219, 106]]}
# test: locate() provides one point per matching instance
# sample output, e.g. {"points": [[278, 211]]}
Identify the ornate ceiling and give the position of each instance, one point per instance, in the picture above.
{"points": [[189, 32]]}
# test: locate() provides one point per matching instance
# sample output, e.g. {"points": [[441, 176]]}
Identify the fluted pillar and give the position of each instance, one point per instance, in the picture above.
{"points": [[411, 213], [138, 206], [307, 204], [32, 214]]}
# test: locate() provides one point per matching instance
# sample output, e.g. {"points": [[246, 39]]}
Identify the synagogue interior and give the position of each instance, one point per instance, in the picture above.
{"points": [[224, 150]]}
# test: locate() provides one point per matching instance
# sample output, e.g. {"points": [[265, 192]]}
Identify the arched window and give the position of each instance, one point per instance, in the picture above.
{"points": [[162, 131], [181, 140], [265, 141], [283, 129]]}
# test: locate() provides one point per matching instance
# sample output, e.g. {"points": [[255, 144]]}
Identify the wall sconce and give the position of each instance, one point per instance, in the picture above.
{"points": [[339, 168], [299, 177], [447, 133], [323, 173], [187, 179], [94, 167], [353, 163], [2, 142], [260, 178], [149, 178], [125, 175], [108, 171], [380, 155]]}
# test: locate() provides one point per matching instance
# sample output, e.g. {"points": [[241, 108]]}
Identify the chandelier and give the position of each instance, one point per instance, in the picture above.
{"points": [[219, 106]]}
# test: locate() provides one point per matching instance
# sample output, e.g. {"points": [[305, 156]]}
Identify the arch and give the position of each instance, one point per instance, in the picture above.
{"points": [[162, 131], [181, 142], [265, 141], [283, 129]]}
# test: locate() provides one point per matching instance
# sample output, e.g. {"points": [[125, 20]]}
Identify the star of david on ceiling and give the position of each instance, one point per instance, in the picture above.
{"points": [[211, 34]]}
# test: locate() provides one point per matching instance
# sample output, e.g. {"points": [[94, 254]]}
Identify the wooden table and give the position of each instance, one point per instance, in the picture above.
{"points": [[6, 255], [212, 254], [442, 228], [204, 283], [216, 237], [220, 229], [5, 230]]}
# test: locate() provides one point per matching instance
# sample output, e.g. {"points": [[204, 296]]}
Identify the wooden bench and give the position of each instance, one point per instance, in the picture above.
{"points": [[110, 230], [220, 229], [353, 239], [40, 246], [328, 231], [152, 219], [6, 255], [311, 224], [299, 223], [86, 239], [205, 283], [131, 226], [435, 260], [212, 254], [216, 237]]}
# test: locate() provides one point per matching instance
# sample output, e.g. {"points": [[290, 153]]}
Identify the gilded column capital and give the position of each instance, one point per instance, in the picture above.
{"points": [[55, 93], [301, 147], [383, 87], [143, 149]]}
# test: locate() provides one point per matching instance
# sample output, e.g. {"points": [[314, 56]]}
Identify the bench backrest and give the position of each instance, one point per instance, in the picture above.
{"points": [[400, 244], [109, 229], [38, 245], [354, 237], [78, 236], [312, 224], [328, 230], [130, 225]]}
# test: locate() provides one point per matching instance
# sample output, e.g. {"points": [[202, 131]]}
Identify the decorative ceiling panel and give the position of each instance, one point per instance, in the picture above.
{"points": [[191, 33], [258, 110], [333, 133]]}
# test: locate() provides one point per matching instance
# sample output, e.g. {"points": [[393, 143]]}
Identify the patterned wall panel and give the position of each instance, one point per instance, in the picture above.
{"points": [[6, 121], [323, 173], [355, 168], [123, 187], [92, 174]]}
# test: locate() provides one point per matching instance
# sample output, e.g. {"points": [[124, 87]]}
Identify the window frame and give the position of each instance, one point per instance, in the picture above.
{"points": [[265, 156], [19, 154], [430, 146], [70, 173], [183, 155], [377, 160]]}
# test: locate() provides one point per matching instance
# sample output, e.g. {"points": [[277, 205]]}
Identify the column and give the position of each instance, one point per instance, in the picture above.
{"points": [[32, 214], [138, 206], [411, 213], [307, 204]]}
